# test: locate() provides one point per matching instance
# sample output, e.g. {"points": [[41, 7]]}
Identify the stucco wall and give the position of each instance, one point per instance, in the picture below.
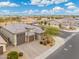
{"points": [[38, 36], [9, 35], [4, 47]]}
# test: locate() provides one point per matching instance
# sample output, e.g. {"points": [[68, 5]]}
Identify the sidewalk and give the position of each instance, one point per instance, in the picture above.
{"points": [[58, 44], [77, 30]]}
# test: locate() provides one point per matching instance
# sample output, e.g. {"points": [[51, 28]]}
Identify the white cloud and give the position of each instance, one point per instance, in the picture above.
{"points": [[71, 7], [58, 9], [35, 2], [60, 1], [72, 12], [68, 11], [45, 12], [70, 4], [30, 11], [36, 12], [46, 2], [50, 12], [77, 10], [41, 5], [4, 12], [8, 4]]}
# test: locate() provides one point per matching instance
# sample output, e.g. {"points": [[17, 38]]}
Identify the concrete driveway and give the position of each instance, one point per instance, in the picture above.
{"points": [[32, 49]]}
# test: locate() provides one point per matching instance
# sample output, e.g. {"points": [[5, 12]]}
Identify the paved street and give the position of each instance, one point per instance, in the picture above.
{"points": [[65, 34], [68, 51]]}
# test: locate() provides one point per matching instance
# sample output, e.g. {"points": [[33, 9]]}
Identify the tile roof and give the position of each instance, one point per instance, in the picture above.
{"points": [[2, 40], [17, 28]]}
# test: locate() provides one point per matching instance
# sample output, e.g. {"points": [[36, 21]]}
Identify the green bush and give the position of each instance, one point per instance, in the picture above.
{"points": [[52, 31], [41, 42], [20, 54], [60, 25], [72, 28], [12, 55]]}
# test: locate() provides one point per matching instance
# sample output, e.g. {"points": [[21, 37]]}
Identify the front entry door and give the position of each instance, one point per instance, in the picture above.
{"points": [[1, 49], [31, 38]]}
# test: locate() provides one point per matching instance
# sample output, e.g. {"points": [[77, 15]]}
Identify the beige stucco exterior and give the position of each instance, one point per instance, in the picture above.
{"points": [[8, 35], [4, 47]]}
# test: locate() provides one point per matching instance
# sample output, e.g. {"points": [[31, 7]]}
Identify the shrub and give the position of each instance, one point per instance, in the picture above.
{"points": [[60, 25], [45, 22], [72, 28], [51, 44], [12, 55], [49, 24], [48, 41], [41, 42], [43, 39], [20, 54], [8, 57], [45, 43]]}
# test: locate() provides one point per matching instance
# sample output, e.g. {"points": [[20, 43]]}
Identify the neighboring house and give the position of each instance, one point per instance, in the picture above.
{"points": [[27, 20], [65, 22], [77, 22], [2, 45], [44, 19], [20, 33], [68, 22], [54, 22]]}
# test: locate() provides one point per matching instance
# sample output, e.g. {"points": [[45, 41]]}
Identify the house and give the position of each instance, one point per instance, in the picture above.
{"points": [[20, 33], [65, 22], [54, 22], [2, 45], [27, 20], [68, 22]]}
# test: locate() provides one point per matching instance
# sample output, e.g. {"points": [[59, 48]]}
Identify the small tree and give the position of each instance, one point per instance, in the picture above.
{"points": [[49, 24], [12, 55], [41, 22], [51, 31], [20, 54], [60, 25], [45, 22]]}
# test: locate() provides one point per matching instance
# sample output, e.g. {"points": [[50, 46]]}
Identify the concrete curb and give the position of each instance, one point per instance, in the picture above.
{"points": [[51, 50], [70, 30]]}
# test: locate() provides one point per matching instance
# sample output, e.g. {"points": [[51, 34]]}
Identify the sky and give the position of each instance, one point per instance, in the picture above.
{"points": [[39, 7]]}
